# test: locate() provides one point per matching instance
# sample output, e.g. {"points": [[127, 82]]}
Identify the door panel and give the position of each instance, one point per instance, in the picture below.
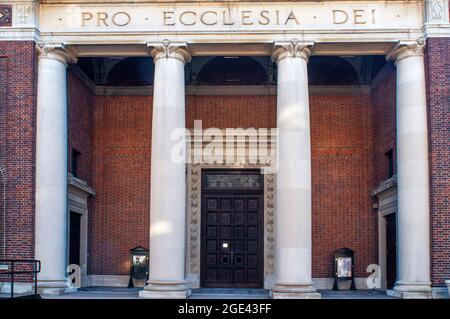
{"points": [[391, 251], [74, 238], [232, 243]]}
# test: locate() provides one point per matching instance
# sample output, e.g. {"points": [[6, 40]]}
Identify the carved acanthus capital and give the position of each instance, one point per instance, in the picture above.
{"points": [[406, 49], [291, 49], [169, 50], [58, 52]]}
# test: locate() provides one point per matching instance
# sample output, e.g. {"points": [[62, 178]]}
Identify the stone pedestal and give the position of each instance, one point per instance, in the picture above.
{"points": [[165, 290]]}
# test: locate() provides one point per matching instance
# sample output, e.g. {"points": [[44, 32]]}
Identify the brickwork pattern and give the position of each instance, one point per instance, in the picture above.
{"points": [[122, 147], [80, 126], [383, 102], [341, 146], [18, 76], [438, 93]]}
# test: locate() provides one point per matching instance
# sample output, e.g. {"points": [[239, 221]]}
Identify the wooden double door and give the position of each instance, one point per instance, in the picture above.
{"points": [[232, 229]]}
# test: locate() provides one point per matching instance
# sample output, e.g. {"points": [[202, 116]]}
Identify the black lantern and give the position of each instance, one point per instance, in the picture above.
{"points": [[139, 264], [344, 261]]}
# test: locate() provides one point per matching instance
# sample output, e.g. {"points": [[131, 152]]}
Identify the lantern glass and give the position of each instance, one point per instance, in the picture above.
{"points": [[344, 267], [139, 262]]}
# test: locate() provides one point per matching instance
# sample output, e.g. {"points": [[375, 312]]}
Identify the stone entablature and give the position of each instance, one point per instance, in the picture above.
{"points": [[230, 17], [117, 22]]}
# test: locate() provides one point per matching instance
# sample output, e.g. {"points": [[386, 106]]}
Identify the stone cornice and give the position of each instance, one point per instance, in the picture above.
{"points": [[385, 185], [61, 20], [436, 30], [48, 20], [79, 184]]}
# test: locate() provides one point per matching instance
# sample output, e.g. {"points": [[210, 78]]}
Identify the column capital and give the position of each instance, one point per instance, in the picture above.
{"points": [[170, 50], [291, 49], [58, 52], [404, 49]]}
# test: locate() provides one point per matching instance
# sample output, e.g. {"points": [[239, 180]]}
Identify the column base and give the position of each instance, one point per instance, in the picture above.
{"points": [[165, 290], [295, 291], [411, 290], [55, 288]]}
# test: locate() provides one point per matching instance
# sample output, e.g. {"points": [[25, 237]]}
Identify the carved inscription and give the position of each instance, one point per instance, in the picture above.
{"points": [[225, 17], [104, 19]]}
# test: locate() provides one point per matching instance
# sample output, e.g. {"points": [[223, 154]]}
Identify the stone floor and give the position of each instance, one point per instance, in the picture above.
{"points": [[210, 293]]}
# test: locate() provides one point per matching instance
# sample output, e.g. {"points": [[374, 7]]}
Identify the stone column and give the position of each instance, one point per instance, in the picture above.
{"points": [[51, 170], [168, 176], [413, 235], [293, 214]]}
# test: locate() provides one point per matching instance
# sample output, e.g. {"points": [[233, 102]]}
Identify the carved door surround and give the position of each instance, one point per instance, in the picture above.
{"points": [[194, 221]]}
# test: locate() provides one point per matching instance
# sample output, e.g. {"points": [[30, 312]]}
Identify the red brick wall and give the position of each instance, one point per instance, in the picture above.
{"points": [[341, 142], [80, 125], [342, 172], [120, 219], [383, 101], [438, 87], [231, 111], [17, 145]]}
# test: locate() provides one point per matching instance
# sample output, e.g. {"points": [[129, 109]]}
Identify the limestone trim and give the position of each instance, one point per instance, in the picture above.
{"points": [[80, 184], [386, 193], [385, 185], [193, 206], [78, 194], [65, 21], [436, 11], [219, 47]]}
